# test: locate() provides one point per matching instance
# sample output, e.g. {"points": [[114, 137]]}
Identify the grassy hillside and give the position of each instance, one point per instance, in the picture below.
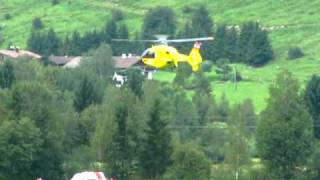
{"points": [[300, 18]]}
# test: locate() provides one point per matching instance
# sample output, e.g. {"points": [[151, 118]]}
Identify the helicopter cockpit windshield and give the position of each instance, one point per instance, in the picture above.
{"points": [[148, 54]]}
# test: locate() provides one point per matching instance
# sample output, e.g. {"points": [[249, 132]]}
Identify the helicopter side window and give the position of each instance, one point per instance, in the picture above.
{"points": [[148, 54]]}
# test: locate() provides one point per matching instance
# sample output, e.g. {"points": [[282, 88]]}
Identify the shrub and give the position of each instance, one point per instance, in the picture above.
{"points": [[7, 16], [54, 2], [117, 15], [206, 66], [37, 23], [295, 53]]}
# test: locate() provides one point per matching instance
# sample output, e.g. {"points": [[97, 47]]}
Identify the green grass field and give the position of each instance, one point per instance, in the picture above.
{"points": [[301, 18]]}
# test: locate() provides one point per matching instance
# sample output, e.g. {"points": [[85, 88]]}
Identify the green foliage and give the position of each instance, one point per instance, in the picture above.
{"points": [[185, 117], [312, 100], [155, 148], [7, 75], [159, 20], [134, 81], [117, 15], [37, 23], [7, 16], [212, 141], [204, 105], [224, 69], [189, 163], [295, 53], [46, 43], [206, 66], [89, 91], [55, 2], [223, 109], [120, 48], [237, 151], [255, 47], [100, 62], [184, 71], [285, 126], [202, 84], [202, 26], [20, 143], [110, 31]]}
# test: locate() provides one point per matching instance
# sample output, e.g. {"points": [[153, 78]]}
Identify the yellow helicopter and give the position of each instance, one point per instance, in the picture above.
{"points": [[161, 55]]}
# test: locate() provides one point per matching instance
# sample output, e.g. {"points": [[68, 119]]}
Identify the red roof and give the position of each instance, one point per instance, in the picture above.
{"points": [[125, 63], [21, 53]]}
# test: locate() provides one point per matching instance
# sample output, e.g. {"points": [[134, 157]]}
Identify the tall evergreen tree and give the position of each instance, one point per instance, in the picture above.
{"points": [[231, 45], [312, 100], [156, 147], [7, 76], [51, 44], [135, 81], [35, 42], [75, 44], [119, 48], [160, 20], [186, 32], [88, 92], [220, 42], [110, 31], [285, 134], [202, 26], [254, 45], [121, 150]]}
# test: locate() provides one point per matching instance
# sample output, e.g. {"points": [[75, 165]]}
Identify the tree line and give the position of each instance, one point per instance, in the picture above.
{"points": [[249, 44]]}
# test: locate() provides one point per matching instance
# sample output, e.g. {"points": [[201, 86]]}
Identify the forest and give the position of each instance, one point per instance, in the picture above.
{"points": [[55, 122]]}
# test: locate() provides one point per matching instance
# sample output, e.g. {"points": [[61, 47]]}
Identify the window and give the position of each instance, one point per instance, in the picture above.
{"points": [[148, 54]]}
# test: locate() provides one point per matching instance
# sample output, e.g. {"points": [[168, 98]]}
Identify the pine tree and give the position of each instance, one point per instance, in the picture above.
{"points": [[156, 147], [7, 76], [231, 47], [186, 32], [75, 44], [220, 42], [35, 42], [160, 20], [312, 100], [110, 31], [135, 81], [284, 134], [120, 151], [202, 26], [119, 48], [89, 92], [254, 46], [51, 44]]}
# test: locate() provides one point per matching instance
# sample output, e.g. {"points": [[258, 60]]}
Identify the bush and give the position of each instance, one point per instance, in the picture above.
{"points": [[54, 2], [117, 15], [7, 16], [206, 66], [295, 53], [37, 23]]}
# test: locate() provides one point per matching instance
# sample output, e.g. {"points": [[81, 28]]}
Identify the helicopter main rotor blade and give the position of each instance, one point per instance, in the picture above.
{"points": [[134, 40], [190, 40]]}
